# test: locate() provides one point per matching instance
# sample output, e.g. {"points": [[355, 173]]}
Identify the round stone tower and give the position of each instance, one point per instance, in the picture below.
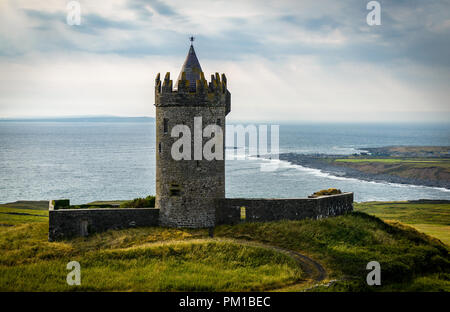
{"points": [[187, 189]]}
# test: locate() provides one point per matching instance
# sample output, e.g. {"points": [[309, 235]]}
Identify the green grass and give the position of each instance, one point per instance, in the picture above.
{"points": [[13, 216], [162, 259], [146, 202], [142, 259], [411, 162], [34, 205], [430, 218], [173, 266], [391, 160], [345, 244]]}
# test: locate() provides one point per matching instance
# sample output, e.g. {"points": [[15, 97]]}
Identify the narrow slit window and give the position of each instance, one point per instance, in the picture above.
{"points": [[166, 125], [159, 147], [174, 189], [218, 122]]}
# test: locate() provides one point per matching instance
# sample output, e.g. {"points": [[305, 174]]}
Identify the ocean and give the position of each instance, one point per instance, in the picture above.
{"points": [[87, 161]]}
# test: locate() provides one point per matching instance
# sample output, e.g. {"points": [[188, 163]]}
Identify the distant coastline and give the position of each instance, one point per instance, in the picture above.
{"points": [[429, 166], [80, 119]]}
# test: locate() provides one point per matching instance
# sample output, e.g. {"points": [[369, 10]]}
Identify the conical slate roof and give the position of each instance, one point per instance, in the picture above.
{"points": [[192, 69]]}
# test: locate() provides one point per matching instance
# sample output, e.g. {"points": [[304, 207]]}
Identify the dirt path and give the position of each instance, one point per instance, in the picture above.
{"points": [[314, 272]]}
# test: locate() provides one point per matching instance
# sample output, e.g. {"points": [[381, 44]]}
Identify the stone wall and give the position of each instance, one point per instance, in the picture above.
{"points": [[229, 210], [68, 223]]}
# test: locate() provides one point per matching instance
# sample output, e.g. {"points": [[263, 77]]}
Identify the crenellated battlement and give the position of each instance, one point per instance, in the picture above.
{"points": [[213, 93], [217, 85]]}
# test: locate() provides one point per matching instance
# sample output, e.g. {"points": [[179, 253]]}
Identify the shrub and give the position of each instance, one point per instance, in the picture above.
{"points": [[147, 202], [330, 191]]}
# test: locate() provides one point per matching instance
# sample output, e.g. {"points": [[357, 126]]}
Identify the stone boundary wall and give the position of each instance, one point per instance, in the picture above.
{"points": [[260, 209], [68, 223]]}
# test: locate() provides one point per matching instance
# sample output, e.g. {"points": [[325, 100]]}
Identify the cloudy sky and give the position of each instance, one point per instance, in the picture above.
{"points": [[284, 60]]}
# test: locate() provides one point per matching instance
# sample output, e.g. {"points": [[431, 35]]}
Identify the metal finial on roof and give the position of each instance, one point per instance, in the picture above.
{"points": [[192, 38]]}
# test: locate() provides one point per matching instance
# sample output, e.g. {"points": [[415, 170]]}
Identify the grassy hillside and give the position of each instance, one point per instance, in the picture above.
{"points": [[445, 163], [171, 266], [25, 204], [415, 168], [144, 259], [431, 217], [410, 151], [23, 212], [160, 259], [409, 260]]}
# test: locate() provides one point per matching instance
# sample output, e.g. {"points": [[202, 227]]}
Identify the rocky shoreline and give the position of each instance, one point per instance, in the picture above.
{"points": [[325, 164]]}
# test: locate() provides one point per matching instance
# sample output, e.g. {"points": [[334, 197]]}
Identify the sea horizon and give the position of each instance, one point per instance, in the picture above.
{"points": [[144, 118], [87, 161]]}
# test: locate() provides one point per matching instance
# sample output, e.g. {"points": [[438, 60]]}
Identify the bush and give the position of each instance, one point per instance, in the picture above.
{"points": [[147, 202], [330, 191]]}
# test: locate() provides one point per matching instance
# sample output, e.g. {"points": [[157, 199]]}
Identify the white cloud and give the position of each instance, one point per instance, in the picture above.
{"points": [[48, 68], [300, 88], [295, 88], [79, 84]]}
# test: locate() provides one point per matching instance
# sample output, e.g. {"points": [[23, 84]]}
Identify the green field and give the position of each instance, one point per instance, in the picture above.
{"points": [[207, 265], [419, 163], [445, 162], [34, 205], [20, 213], [419, 171], [161, 259], [430, 218]]}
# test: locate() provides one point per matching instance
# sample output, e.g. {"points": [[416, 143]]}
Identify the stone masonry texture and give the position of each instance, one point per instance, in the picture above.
{"points": [[69, 223], [187, 190], [228, 210]]}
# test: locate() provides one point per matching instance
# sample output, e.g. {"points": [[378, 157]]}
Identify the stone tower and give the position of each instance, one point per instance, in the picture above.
{"points": [[187, 190]]}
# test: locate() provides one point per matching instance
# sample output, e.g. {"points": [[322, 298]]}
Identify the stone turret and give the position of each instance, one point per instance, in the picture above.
{"points": [[187, 191]]}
